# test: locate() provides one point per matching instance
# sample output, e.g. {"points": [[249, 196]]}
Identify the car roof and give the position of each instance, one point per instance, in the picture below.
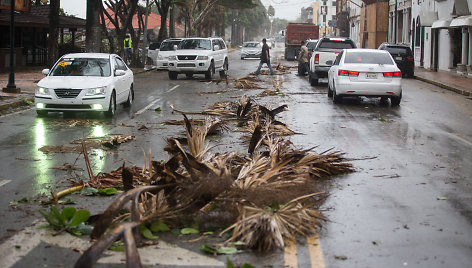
{"points": [[88, 55], [173, 39], [394, 45], [336, 38], [354, 50]]}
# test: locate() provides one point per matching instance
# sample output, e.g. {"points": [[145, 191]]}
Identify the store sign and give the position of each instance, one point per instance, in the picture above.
{"points": [[20, 5]]}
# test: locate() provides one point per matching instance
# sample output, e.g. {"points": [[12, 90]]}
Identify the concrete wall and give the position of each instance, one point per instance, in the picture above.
{"points": [[427, 48], [445, 54]]}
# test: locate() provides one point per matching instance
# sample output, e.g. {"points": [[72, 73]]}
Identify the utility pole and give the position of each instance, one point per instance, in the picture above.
{"points": [[11, 87], [395, 24], [144, 56]]}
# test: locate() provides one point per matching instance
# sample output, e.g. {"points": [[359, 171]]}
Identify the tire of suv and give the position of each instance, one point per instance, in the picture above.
{"points": [[396, 100], [330, 91], [41, 113], [172, 75], [225, 69], [313, 81], [210, 72]]}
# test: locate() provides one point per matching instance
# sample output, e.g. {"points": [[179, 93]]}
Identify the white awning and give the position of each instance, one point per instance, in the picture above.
{"points": [[462, 21], [428, 17], [441, 24]]}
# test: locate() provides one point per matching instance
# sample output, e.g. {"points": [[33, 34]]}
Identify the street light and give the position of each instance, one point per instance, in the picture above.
{"points": [[11, 87]]}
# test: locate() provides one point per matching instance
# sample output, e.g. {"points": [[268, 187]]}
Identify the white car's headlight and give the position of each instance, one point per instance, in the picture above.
{"points": [[42, 91], [172, 58], [202, 58], [95, 91]]}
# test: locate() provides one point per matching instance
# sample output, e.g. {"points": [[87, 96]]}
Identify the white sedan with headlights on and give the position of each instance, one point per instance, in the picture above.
{"points": [[365, 72], [165, 51], [85, 82]]}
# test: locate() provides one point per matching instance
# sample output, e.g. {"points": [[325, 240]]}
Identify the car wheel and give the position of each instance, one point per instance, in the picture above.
{"points": [[336, 97], [210, 72], [225, 69], [242, 58], [112, 105], [396, 100], [330, 91], [41, 113], [129, 102], [172, 75], [313, 81]]}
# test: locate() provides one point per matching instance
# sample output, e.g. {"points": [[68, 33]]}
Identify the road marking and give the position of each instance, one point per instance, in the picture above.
{"points": [[3, 182], [316, 254], [154, 102], [19, 245], [460, 138], [290, 255]]}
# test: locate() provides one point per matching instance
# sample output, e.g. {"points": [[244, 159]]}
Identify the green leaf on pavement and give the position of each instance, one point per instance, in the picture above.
{"points": [[442, 198], [383, 119], [159, 226], [89, 191], [226, 250], [208, 249], [146, 233], [68, 213], [108, 191], [79, 217], [186, 231], [158, 109]]}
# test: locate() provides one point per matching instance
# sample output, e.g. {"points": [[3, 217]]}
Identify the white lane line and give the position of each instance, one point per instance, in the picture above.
{"points": [[3, 182], [172, 88], [460, 138], [154, 102], [147, 107]]}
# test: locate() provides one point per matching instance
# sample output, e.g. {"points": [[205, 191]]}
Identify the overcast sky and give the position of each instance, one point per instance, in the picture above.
{"points": [[285, 9]]}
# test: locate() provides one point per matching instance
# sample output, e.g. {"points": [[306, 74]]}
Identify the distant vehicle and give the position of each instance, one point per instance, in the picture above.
{"points": [[152, 51], [403, 57], [165, 51], [365, 72], [85, 82], [270, 42], [251, 50], [326, 51], [199, 56], [295, 33]]}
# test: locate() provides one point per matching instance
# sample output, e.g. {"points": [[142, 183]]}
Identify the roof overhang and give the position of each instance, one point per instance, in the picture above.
{"points": [[427, 17], [463, 21], [441, 24]]}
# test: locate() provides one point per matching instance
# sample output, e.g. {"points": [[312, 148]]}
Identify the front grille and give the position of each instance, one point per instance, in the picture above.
{"points": [[67, 93], [68, 106], [185, 65], [186, 57], [164, 64]]}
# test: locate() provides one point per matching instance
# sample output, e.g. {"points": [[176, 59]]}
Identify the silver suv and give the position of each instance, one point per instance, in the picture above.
{"points": [[199, 56]]}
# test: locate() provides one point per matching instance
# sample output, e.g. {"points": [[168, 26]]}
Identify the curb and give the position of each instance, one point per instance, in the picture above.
{"points": [[16, 104], [454, 89]]}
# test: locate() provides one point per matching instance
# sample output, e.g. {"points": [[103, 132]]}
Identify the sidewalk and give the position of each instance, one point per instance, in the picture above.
{"points": [[454, 82]]}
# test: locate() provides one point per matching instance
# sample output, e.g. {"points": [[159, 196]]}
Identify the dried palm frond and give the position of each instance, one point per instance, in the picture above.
{"points": [[265, 229]]}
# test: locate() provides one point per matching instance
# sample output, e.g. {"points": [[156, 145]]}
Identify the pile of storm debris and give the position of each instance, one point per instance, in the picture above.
{"points": [[266, 196]]}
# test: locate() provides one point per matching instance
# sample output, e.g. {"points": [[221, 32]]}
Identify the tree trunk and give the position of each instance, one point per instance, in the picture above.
{"points": [[92, 27], [172, 21], [163, 8], [53, 52]]}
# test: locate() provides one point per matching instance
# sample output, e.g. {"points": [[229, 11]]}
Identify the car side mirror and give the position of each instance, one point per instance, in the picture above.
{"points": [[216, 47], [175, 47], [119, 72], [45, 71], [330, 62]]}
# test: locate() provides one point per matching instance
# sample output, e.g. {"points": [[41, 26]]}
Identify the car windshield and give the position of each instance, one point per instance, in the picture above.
{"points": [[255, 44], [399, 50], [336, 44], [169, 45], [368, 58], [203, 44], [82, 67]]}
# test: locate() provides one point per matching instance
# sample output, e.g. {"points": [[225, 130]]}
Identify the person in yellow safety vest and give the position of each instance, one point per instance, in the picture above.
{"points": [[128, 46]]}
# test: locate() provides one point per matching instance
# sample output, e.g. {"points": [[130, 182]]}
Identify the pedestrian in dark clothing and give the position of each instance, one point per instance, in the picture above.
{"points": [[265, 57]]}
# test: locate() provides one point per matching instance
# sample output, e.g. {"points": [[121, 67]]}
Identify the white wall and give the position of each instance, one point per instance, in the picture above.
{"points": [[427, 48], [445, 57]]}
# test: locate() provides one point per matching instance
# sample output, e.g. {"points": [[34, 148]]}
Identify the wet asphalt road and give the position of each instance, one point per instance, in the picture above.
{"points": [[408, 205]]}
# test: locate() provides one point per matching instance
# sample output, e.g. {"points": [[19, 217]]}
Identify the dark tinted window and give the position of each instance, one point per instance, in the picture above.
{"points": [[368, 58], [336, 44], [399, 50], [154, 46], [222, 44], [311, 45], [169, 45]]}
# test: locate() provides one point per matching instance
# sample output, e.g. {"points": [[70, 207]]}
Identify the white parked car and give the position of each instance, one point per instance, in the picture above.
{"points": [[152, 52], [85, 82], [251, 50], [365, 72], [199, 56], [165, 51]]}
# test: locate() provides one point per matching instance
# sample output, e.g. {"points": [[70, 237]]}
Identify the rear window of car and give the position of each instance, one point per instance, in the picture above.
{"points": [[169, 45], [336, 44], [368, 58], [399, 50]]}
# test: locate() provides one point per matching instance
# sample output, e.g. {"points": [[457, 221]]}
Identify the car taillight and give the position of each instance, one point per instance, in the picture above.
{"points": [[392, 74], [317, 58], [409, 58], [347, 73]]}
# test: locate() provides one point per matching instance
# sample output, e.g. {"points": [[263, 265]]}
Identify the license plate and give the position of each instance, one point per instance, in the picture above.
{"points": [[371, 75], [398, 57]]}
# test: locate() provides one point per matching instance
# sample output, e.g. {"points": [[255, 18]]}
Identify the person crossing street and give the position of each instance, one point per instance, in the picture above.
{"points": [[128, 48], [265, 58]]}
